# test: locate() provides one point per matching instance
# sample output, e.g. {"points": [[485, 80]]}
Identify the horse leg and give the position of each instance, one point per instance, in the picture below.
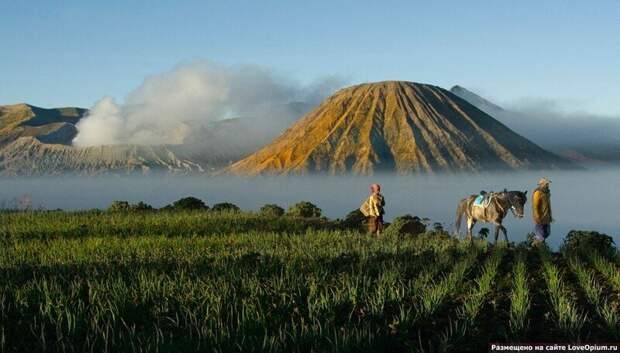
{"points": [[470, 226], [505, 232], [497, 228]]}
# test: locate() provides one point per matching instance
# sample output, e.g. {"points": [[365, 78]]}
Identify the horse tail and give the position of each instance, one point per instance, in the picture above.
{"points": [[460, 210]]}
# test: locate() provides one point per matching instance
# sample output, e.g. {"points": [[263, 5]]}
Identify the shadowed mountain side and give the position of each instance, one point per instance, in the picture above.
{"points": [[396, 126], [479, 102], [55, 125]]}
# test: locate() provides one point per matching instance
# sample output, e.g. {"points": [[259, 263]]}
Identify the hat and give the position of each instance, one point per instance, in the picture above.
{"points": [[544, 181]]}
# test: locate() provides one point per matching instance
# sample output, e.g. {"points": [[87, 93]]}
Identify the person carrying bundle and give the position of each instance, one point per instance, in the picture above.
{"points": [[373, 210]]}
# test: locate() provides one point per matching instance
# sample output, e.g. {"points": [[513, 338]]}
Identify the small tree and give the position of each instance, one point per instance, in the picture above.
{"points": [[271, 210], [225, 207], [304, 209], [484, 233], [188, 203]]}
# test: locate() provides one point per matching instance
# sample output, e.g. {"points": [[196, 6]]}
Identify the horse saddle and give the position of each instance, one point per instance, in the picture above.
{"points": [[483, 200]]}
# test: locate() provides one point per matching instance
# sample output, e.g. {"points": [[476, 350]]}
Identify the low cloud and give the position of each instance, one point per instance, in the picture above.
{"points": [[556, 125]]}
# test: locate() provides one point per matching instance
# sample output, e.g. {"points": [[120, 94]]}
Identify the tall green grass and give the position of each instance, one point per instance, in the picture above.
{"points": [[483, 287], [568, 317], [520, 301], [59, 224], [607, 268], [241, 292], [203, 281]]}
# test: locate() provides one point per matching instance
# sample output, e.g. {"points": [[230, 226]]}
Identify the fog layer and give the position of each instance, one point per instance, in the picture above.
{"points": [[580, 200]]}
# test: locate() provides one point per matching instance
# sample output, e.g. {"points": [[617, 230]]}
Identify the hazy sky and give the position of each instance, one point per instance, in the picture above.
{"points": [[56, 53]]}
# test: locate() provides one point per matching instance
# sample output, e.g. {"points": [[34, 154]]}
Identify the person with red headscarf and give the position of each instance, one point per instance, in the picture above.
{"points": [[373, 209]]}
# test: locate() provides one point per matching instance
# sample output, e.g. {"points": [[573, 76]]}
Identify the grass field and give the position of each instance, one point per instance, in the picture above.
{"points": [[218, 282]]}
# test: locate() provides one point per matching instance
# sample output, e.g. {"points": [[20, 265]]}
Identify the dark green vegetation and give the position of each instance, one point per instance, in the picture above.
{"points": [[205, 281], [304, 209]]}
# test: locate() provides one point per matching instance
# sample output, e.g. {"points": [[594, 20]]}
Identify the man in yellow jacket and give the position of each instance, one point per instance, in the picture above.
{"points": [[372, 208], [541, 211]]}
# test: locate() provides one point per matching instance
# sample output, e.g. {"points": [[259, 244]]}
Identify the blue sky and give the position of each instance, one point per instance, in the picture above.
{"points": [[56, 53]]}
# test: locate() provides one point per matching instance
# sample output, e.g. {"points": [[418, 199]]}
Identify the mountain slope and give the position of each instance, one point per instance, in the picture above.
{"points": [[395, 126], [55, 126], [477, 101], [28, 156]]}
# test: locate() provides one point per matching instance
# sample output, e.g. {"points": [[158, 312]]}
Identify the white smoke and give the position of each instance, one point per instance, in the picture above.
{"points": [[104, 125], [167, 108]]}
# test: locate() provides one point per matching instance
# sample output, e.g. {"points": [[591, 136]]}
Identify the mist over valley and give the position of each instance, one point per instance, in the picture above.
{"points": [[583, 200]]}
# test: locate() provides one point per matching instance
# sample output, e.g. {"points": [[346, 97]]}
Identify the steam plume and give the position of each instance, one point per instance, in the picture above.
{"points": [[171, 107]]}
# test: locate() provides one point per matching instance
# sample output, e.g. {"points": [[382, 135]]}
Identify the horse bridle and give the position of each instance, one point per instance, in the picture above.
{"points": [[512, 208]]}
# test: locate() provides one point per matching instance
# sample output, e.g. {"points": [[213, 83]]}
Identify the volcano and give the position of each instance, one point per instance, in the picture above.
{"points": [[396, 126]]}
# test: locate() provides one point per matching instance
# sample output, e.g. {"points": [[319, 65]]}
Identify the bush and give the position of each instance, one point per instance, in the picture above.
{"points": [[119, 206], [188, 203], [304, 209], [438, 227], [124, 206], [142, 206], [354, 220], [585, 242], [271, 210], [225, 207], [405, 225]]}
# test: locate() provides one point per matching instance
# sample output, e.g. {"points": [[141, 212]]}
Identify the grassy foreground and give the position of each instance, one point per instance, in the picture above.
{"points": [[219, 282]]}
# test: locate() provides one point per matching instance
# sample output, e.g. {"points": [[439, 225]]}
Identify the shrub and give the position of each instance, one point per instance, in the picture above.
{"points": [[124, 206], [271, 210], [142, 206], [354, 220], [119, 206], [304, 209], [438, 227], [406, 225], [188, 203], [581, 242], [225, 207]]}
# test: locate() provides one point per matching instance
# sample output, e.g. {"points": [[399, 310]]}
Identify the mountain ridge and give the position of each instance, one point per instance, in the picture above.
{"points": [[27, 156]]}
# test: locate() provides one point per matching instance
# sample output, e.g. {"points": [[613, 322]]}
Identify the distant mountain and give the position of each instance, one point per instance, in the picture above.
{"points": [[29, 156], [37, 141], [396, 126], [583, 139]]}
